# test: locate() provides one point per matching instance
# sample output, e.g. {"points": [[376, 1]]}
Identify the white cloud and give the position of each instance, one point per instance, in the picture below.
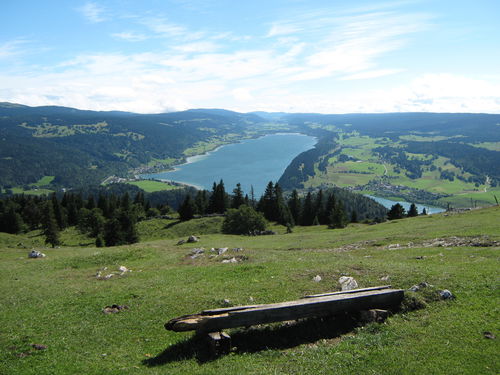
{"points": [[303, 64], [12, 48], [130, 36], [372, 74], [93, 12]]}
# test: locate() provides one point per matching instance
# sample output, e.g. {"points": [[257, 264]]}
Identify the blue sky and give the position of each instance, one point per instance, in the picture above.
{"points": [[333, 56]]}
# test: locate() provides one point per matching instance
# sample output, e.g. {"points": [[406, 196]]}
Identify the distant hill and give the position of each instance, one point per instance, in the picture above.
{"points": [[438, 153]]}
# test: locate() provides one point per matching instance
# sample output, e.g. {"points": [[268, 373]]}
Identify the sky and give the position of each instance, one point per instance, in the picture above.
{"points": [[332, 56]]}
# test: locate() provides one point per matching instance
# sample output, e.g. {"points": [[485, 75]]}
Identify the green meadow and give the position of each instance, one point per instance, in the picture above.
{"points": [[58, 302]]}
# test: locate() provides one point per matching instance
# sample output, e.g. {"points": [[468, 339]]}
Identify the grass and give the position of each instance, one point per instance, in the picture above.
{"points": [[150, 186], [57, 301]]}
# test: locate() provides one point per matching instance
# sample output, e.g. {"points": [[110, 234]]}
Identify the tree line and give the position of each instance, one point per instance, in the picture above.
{"points": [[110, 219], [319, 208]]}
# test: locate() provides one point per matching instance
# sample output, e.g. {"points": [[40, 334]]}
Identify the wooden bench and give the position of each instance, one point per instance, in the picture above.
{"points": [[212, 322]]}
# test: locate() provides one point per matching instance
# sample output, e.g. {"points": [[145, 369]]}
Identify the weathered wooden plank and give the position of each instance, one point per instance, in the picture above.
{"points": [[290, 310], [349, 291], [227, 309]]}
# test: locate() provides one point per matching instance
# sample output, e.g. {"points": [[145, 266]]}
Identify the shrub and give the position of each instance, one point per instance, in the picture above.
{"points": [[243, 220]]}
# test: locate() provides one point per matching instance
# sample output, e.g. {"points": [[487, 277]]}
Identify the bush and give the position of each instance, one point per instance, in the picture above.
{"points": [[243, 220]]}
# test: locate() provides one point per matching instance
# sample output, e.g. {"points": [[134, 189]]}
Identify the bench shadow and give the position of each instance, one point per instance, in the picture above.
{"points": [[283, 335]]}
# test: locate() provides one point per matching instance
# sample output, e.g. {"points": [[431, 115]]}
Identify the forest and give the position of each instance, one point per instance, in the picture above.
{"points": [[110, 217]]}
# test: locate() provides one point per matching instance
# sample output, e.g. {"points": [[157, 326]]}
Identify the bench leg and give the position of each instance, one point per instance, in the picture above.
{"points": [[219, 343]]}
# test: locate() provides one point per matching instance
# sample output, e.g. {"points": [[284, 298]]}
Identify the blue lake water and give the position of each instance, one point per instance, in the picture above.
{"points": [[252, 162], [389, 203]]}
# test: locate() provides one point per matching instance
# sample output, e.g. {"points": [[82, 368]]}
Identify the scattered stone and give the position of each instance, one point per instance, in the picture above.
{"points": [[181, 242], [425, 284], [394, 246], [108, 276], [317, 278], [237, 249], [36, 254], [446, 294], [251, 299], [236, 259], [192, 239], [226, 302], [114, 309], [261, 233], [385, 278], [420, 257], [489, 335], [348, 283], [414, 288], [221, 250], [123, 269], [39, 346]]}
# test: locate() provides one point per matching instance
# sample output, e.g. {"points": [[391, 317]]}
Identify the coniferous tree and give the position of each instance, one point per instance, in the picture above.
{"points": [[413, 210], [187, 209], [424, 211], [50, 226], [295, 206], [113, 234], [59, 213], [201, 202], [338, 218], [354, 216], [237, 199], [267, 204], [283, 215], [397, 211], [12, 221], [308, 213]]}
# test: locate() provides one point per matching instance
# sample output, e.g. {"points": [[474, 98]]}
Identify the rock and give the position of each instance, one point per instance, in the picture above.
{"points": [[232, 260], [420, 257], [192, 239], [36, 254], [226, 302], [317, 278], [348, 283], [114, 309], [123, 269], [107, 277], [39, 346], [237, 249], [424, 284], [385, 278], [414, 288], [197, 252], [489, 335], [221, 250], [446, 294], [181, 242]]}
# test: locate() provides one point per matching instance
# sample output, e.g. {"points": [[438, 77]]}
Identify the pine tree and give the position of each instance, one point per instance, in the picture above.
{"points": [[201, 202], [397, 211], [237, 199], [308, 214], [187, 209], [267, 204], [50, 227], [294, 205], [59, 212], [413, 210], [424, 211], [338, 218], [354, 216]]}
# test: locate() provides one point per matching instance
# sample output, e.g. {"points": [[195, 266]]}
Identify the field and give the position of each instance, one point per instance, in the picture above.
{"points": [[365, 166], [57, 301], [150, 186]]}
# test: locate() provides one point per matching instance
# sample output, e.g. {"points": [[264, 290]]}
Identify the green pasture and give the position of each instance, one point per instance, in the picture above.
{"points": [[57, 302], [150, 186]]}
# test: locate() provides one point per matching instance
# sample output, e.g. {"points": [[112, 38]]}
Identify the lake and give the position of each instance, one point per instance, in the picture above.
{"points": [[389, 203], [251, 162]]}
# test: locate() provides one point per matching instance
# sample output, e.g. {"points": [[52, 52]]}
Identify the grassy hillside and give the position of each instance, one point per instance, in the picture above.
{"points": [[57, 301]]}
